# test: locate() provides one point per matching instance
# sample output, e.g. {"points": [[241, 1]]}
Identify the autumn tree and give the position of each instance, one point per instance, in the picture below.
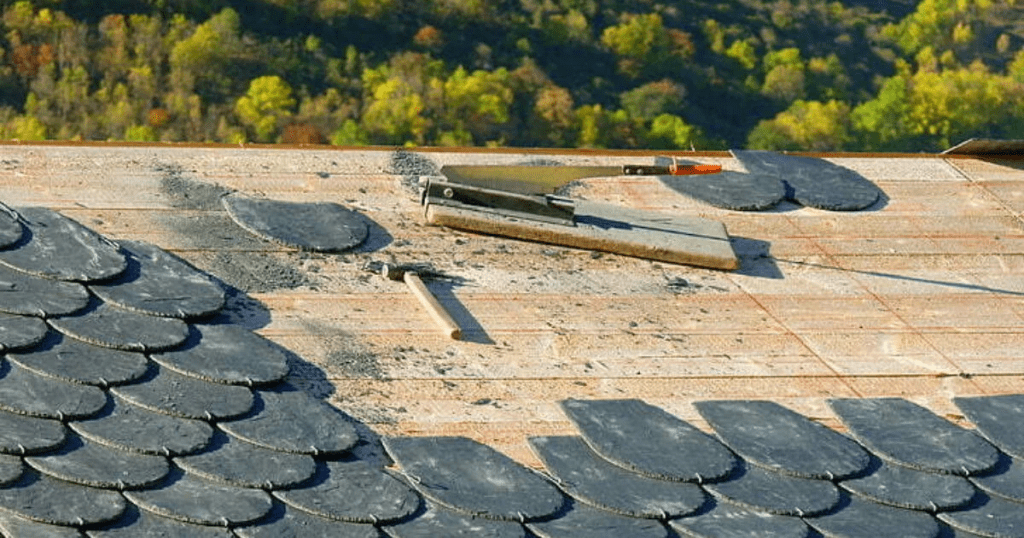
{"points": [[266, 104]]}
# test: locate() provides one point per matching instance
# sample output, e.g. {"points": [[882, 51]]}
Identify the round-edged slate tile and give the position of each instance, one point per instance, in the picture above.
{"points": [[437, 521], [29, 295], [904, 487], [54, 246], [287, 522], [11, 469], [593, 480], [473, 478], [726, 520], [988, 516], [159, 283], [813, 182], [75, 361], [228, 354], [649, 441], [91, 464], [777, 493], [242, 464], [353, 491], [20, 332], [992, 415], [192, 499], [857, 517], [166, 391], [142, 524], [584, 521], [736, 191], [10, 227], [317, 226], [13, 526], [26, 393], [905, 433], [106, 325], [40, 498], [772, 436], [127, 426], [1006, 480], [288, 419], [20, 434]]}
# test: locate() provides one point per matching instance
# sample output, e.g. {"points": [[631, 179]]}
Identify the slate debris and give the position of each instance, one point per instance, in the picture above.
{"points": [[776, 493], [318, 226], [105, 325], [727, 520], [437, 521], [54, 246], [20, 332], [812, 182], [76, 361], [354, 491], [29, 295], [228, 354]]}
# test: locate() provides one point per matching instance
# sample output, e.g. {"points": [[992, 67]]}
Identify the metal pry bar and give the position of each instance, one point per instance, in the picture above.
{"points": [[543, 207]]}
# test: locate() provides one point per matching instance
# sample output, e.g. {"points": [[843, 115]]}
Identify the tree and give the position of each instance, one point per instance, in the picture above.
{"points": [[672, 132], [263, 107], [653, 99], [640, 41], [805, 126]]}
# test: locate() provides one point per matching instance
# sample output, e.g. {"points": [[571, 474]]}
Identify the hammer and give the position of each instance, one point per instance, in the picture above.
{"points": [[409, 274]]}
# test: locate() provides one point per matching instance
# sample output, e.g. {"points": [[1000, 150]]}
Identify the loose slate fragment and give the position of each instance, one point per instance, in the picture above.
{"points": [[130, 427], [29, 295], [239, 463], [989, 516], [158, 283], [286, 522], [95, 465], [649, 441], [991, 414], [20, 435], [19, 332], [436, 521], [227, 354], [141, 524], [594, 480], [727, 520], [109, 326], [769, 435], [10, 469], [777, 493], [904, 487], [54, 246], [182, 396], [320, 227], [860, 518], [290, 420], [10, 227], [76, 361], [47, 500], [1006, 480], [473, 478], [813, 182], [730, 190], [910, 435], [586, 522], [194, 500], [26, 393], [13, 526], [354, 491]]}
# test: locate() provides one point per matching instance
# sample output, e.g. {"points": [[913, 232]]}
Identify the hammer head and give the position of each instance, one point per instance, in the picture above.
{"points": [[398, 272]]}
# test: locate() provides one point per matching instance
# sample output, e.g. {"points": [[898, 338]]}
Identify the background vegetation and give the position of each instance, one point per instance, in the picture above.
{"points": [[772, 74]]}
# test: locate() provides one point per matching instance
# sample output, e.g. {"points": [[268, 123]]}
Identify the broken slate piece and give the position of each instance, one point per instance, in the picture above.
{"points": [[596, 481], [437, 521], [191, 499], [473, 478], [142, 524], [726, 520], [319, 227], [285, 522], [354, 491], [76, 361], [169, 392], [109, 326], [27, 393], [1006, 480], [20, 434], [130, 427], [54, 246], [988, 516], [736, 191], [13, 526], [903, 487], [908, 434], [158, 283], [10, 227], [228, 354], [772, 436], [91, 464], [583, 521], [29, 295], [649, 441], [991, 414], [776, 493], [857, 517], [47, 500], [813, 182], [241, 464], [290, 420], [10, 469], [19, 332]]}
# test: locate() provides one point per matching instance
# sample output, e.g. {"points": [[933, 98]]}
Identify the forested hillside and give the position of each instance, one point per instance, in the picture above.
{"points": [[772, 74]]}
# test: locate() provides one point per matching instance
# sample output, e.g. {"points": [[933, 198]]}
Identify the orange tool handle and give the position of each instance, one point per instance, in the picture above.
{"points": [[694, 169]]}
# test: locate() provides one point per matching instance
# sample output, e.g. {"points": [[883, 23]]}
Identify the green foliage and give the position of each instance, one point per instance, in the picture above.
{"points": [[807, 126], [263, 107]]}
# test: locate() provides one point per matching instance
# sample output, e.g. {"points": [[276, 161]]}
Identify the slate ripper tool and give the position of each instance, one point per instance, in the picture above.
{"points": [[410, 275]]}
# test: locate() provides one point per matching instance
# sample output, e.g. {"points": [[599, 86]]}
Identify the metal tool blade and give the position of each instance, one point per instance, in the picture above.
{"points": [[525, 179]]}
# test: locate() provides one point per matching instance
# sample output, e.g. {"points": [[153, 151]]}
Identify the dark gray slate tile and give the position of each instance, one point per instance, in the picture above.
{"points": [[242, 464], [861, 518], [13, 526], [1006, 480], [776, 493], [726, 520], [772, 436], [227, 354], [106, 325], [55, 246], [991, 414], [649, 441], [169, 392], [989, 516], [47, 500], [437, 521], [76, 361], [286, 522], [290, 420], [593, 480], [322, 227], [191, 499], [29, 295], [473, 478], [11, 469], [908, 434], [27, 393], [583, 521], [813, 182], [20, 434], [353, 491], [730, 190], [129, 427], [904, 487], [92, 464], [159, 283], [10, 226], [19, 332], [141, 524]]}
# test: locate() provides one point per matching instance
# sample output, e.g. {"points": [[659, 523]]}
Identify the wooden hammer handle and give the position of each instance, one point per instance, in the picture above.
{"points": [[434, 308]]}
